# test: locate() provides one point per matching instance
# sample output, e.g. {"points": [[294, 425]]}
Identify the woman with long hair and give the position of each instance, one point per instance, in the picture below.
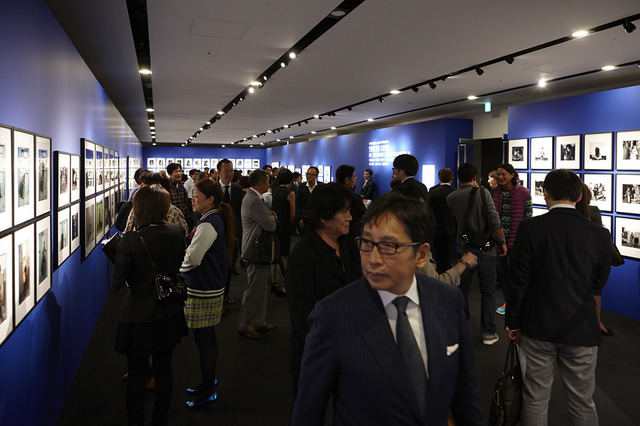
{"points": [[149, 326], [206, 268]]}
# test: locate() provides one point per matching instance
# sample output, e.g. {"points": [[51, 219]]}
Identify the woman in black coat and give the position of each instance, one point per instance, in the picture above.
{"points": [[148, 326], [323, 261]]}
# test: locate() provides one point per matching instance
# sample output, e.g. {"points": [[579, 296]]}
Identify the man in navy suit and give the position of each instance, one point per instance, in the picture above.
{"points": [[405, 169], [368, 190], [351, 352], [558, 262]]}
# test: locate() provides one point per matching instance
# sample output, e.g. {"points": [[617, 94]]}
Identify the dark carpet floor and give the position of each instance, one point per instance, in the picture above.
{"points": [[255, 386]]}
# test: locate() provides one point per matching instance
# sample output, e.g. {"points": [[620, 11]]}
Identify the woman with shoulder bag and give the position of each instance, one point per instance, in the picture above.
{"points": [[148, 326], [206, 268]]}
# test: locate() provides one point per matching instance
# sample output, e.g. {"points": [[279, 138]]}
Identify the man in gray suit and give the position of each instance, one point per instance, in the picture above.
{"points": [[255, 218]]}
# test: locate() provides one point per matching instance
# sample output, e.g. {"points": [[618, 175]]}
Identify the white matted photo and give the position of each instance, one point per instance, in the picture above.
{"points": [[628, 150], [99, 231], [518, 155], [179, 161], [89, 224], [24, 185], [628, 193], [23, 288], [539, 211], [239, 163], [63, 171], [75, 178], [214, 163], [43, 180], [607, 222], [568, 152], [598, 150], [74, 222], [89, 167], [291, 167], [247, 163], [99, 168], [6, 287], [628, 237], [304, 169], [523, 178], [537, 193], [327, 173], [205, 163], [275, 164], [188, 163], [256, 164], [161, 164], [542, 153], [6, 179], [43, 257], [152, 163], [197, 163], [601, 186], [321, 173], [63, 241]]}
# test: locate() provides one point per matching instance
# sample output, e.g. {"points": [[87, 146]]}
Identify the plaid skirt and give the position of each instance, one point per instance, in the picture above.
{"points": [[202, 313]]}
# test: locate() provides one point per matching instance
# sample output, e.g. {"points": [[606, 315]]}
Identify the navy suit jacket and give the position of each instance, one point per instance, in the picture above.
{"points": [[414, 183], [350, 354], [368, 190]]}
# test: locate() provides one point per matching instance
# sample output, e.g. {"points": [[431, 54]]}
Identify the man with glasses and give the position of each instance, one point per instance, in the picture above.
{"points": [[392, 347], [303, 196]]}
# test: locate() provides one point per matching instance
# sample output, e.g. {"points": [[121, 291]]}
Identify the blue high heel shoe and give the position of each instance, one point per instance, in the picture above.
{"points": [[203, 401], [200, 387]]}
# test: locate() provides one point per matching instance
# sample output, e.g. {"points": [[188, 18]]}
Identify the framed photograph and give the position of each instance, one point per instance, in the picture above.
{"points": [[188, 163], [598, 150], [99, 168], [43, 257], [523, 178], [601, 186], [23, 188], [275, 164], [517, 155], [75, 178], [179, 161], [214, 163], [108, 196], [63, 241], [74, 222], [304, 169], [537, 193], [197, 163], [239, 163], [43, 167], [542, 153], [152, 163], [256, 164], [568, 152], [321, 173], [89, 167], [628, 150], [6, 287], [607, 222], [161, 164], [23, 288], [116, 168], [6, 179], [205, 163], [168, 161], [628, 237], [99, 229], [291, 167], [628, 193], [63, 184], [112, 167], [539, 211], [247, 163], [327, 173], [88, 227]]}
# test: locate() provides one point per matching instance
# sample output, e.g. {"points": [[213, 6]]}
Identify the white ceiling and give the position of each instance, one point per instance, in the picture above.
{"points": [[204, 53]]}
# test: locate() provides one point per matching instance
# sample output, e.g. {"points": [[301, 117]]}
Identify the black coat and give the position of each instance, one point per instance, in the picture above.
{"points": [[445, 220], [368, 190]]}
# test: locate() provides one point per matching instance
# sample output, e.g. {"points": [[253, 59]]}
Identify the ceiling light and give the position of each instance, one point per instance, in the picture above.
{"points": [[608, 68], [472, 97], [292, 55], [241, 99], [223, 146], [313, 132], [145, 72], [542, 82], [220, 112], [183, 145], [282, 64], [316, 116], [152, 127], [264, 77], [149, 109], [349, 108], [201, 129], [333, 127], [380, 99], [479, 71], [369, 119], [151, 120], [154, 144], [286, 126], [208, 123], [269, 131], [250, 146], [306, 121], [628, 26], [415, 89], [338, 13], [278, 140], [395, 92], [290, 137], [509, 59], [251, 90], [432, 85], [255, 83], [579, 34]]}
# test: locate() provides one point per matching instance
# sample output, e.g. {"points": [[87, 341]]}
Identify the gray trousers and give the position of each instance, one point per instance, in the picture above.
{"points": [[577, 369], [254, 300]]}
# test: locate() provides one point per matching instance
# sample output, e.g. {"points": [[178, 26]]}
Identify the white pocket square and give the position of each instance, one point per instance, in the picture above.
{"points": [[451, 349]]}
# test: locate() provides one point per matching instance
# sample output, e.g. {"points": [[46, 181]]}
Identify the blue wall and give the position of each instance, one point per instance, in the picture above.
{"points": [[46, 88], [610, 111], [431, 142]]}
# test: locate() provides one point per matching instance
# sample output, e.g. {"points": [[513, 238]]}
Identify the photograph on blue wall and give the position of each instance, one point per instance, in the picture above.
{"points": [[62, 166], [88, 226], [601, 186], [542, 153], [6, 175], [88, 167], [23, 290], [518, 155], [43, 168], [43, 257], [75, 227], [6, 287], [628, 150], [598, 149], [75, 178], [62, 236], [568, 153], [24, 163], [628, 193], [628, 237], [537, 191]]}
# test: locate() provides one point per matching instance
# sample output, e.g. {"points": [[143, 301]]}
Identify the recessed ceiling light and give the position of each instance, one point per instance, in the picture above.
{"points": [[255, 83], [151, 120], [219, 113], [369, 119], [333, 127], [581, 33], [313, 132], [292, 55], [251, 90], [145, 72], [608, 68], [149, 109], [472, 97], [542, 82], [395, 92], [338, 13]]}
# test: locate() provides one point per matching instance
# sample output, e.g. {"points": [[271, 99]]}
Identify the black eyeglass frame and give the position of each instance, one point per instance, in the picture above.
{"points": [[389, 244]]}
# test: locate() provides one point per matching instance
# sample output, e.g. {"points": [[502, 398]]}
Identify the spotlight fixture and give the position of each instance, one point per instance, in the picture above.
{"points": [[220, 112], [282, 64], [479, 71], [306, 121], [299, 124], [149, 109], [432, 85], [579, 34], [509, 59], [251, 90], [369, 119], [151, 120], [269, 131], [255, 84], [154, 144], [415, 89], [380, 99], [292, 55], [628, 26], [333, 127], [224, 146], [316, 116], [313, 132], [349, 108], [608, 68], [286, 126], [145, 72], [472, 97]]}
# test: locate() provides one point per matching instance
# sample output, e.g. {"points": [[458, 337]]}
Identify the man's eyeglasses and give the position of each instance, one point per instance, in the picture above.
{"points": [[384, 247]]}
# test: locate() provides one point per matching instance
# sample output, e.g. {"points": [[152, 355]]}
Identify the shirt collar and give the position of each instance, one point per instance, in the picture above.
{"points": [[564, 206], [257, 193], [387, 297]]}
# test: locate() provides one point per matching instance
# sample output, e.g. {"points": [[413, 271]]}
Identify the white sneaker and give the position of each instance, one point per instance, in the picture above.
{"points": [[490, 340]]}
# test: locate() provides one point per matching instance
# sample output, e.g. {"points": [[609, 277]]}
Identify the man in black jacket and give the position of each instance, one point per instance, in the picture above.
{"points": [[303, 196], [405, 169], [368, 190], [445, 239]]}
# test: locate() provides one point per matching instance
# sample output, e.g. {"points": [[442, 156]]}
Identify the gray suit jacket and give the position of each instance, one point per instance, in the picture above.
{"points": [[255, 218]]}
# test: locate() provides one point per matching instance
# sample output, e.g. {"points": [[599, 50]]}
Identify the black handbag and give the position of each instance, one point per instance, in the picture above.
{"points": [[506, 403], [168, 287], [110, 246], [616, 257], [267, 248], [469, 236]]}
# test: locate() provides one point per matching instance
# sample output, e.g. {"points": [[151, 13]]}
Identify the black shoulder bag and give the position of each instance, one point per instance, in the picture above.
{"points": [[169, 287], [507, 393], [470, 237]]}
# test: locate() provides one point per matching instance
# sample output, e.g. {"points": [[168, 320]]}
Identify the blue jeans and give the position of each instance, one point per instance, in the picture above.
{"points": [[486, 270]]}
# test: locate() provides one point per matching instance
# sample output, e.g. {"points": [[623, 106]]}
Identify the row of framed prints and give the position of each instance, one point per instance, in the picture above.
{"points": [[596, 151], [201, 163], [101, 168], [25, 183], [98, 216], [626, 190], [324, 171], [25, 272]]}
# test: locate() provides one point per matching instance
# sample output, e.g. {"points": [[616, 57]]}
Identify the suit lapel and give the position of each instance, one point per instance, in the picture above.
{"points": [[373, 326]]}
